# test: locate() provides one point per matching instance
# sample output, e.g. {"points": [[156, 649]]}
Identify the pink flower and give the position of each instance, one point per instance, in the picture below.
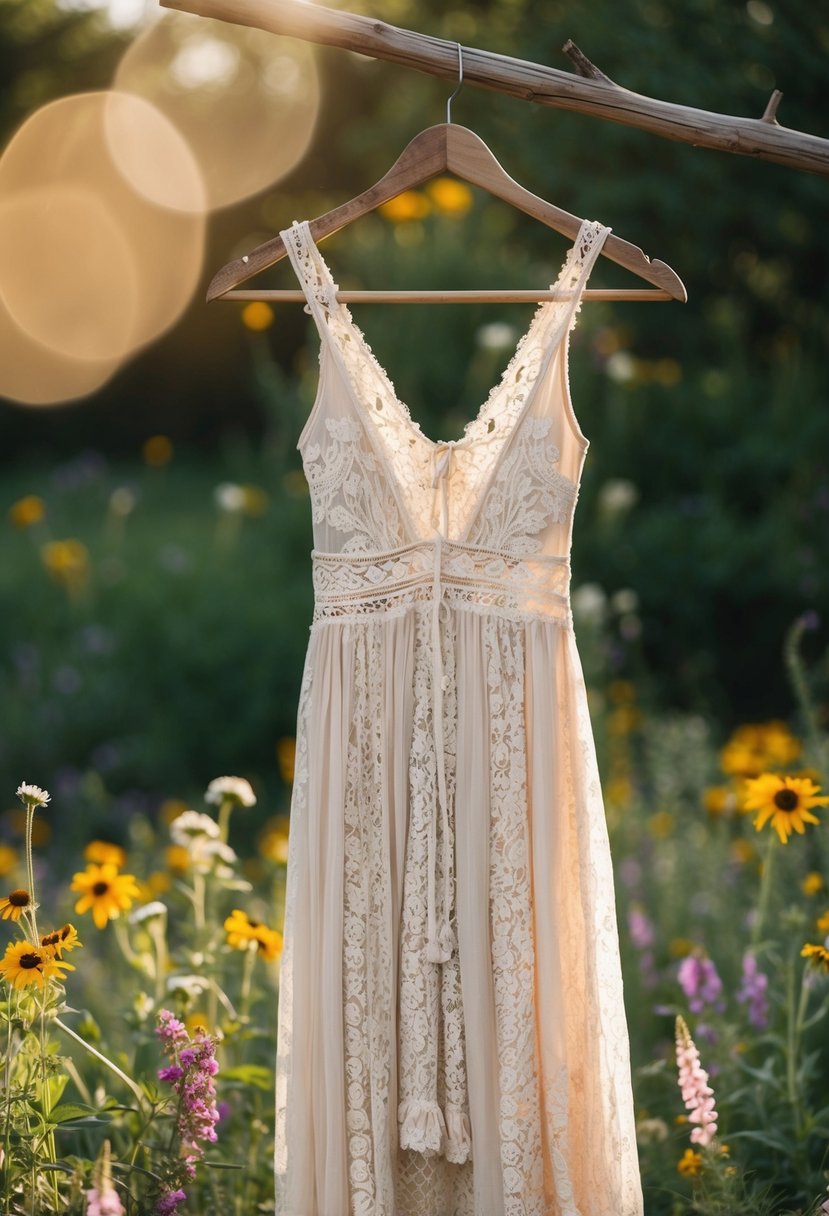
{"points": [[103, 1203], [697, 1094]]}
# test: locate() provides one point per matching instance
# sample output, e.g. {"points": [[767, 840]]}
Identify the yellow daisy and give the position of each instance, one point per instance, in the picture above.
{"points": [[241, 931], [100, 851], [818, 956], [690, 1165], [15, 904], [823, 924], [61, 939], [786, 801], [812, 883], [106, 892], [24, 964]]}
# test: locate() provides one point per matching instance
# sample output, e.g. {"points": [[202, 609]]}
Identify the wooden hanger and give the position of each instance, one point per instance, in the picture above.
{"points": [[448, 148]]}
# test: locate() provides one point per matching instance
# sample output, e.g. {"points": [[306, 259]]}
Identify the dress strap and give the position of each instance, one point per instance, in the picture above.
{"points": [[577, 267], [313, 274]]}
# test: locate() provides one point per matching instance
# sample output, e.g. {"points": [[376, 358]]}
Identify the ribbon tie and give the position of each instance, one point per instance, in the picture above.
{"points": [[440, 945]]}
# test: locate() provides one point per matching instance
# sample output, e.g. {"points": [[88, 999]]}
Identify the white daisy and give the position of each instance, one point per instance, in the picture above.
{"points": [[191, 825], [148, 912], [212, 856], [234, 788], [32, 795]]}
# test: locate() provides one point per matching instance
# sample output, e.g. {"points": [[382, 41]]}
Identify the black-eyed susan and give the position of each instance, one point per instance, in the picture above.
{"points": [[756, 746], [104, 891], [101, 851], [690, 1164], [816, 956], [59, 940], [785, 801], [242, 932], [25, 963], [15, 904]]}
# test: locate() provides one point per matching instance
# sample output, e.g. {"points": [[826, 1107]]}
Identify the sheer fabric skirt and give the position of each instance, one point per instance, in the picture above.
{"points": [[498, 1083]]}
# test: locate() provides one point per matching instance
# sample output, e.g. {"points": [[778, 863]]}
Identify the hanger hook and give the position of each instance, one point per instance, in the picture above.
{"points": [[449, 100]]}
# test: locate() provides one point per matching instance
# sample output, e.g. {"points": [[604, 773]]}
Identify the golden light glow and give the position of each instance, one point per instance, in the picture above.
{"points": [[246, 106], [91, 270]]}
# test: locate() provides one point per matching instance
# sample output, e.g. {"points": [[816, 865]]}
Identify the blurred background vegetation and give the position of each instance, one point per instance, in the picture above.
{"points": [[160, 642]]}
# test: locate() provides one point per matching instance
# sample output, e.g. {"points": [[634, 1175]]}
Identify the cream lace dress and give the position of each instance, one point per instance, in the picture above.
{"points": [[451, 1032]]}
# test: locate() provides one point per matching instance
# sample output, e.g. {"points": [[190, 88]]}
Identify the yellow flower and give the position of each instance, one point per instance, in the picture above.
{"points": [[755, 747], [156, 883], [786, 801], [718, 800], [257, 316], [8, 859], [286, 758], [170, 809], [661, 824], [624, 719], [15, 904], [67, 562], [27, 511], [690, 1166], [812, 883], [273, 845], [823, 924], [242, 931], [177, 858], [62, 939], [100, 851], [24, 964], [106, 892], [157, 450], [450, 196], [818, 956], [678, 947], [410, 205], [743, 851]]}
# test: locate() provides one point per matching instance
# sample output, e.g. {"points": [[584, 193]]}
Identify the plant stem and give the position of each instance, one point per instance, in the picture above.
{"points": [[7, 1138], [103, 1059], [765, 888], [30, 871]]}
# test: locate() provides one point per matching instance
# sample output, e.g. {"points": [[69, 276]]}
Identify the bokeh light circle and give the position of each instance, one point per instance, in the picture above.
{"points": [[246, 103], [65, 147]]}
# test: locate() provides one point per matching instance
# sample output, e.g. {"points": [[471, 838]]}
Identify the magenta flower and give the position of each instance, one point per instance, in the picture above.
{"points": [[697, 1094], [700, 982], [753, 993], [191, 1071], [169, 1201]]}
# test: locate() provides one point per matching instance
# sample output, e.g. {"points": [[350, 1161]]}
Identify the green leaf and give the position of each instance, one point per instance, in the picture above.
{"points": [[68, 1111], [250, 1074]]}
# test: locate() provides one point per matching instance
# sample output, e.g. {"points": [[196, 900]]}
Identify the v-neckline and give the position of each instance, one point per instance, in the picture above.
{"points": [[468, 438]]}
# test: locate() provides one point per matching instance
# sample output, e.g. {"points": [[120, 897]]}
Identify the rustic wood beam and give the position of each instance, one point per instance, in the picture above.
{"points": [[762, 138]]}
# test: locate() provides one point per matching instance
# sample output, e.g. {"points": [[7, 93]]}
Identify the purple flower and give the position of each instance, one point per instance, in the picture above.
{"points": [[169, 1201], [191, 1072], [171, 1073], [753, 993], [640, 927], [700, 982]]}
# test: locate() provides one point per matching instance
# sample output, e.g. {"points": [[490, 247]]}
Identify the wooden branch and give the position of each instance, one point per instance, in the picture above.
{"points": [[582, 64], [765, 140]]}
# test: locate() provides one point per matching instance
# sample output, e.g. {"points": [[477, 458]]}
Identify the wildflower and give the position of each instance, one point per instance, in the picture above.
{"points": [[286, 757], [690, 1165], [693, 1082], [102, 1199], [700, 982], [650, 1131], [823, 924], [718, 800], [786, 801], [168, 1202], [273, 844], [812, 883], [257, 316], [8, 859], [410, 205], [191, 1071], [157, 450], [32, 795], [15, 904], [67, 561], [758, 746], [103, 890], [150, 911], [59, 940], [450, 196], [27, 511], [818, 956], [233, 789], [640, 927], [212, 856], [753, 992], [242, 932], [177, 858], [188, 826], [101, 851], [24, 964]]}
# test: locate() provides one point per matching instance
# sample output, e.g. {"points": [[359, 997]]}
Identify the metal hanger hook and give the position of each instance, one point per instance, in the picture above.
{"points": [[449, 100]]}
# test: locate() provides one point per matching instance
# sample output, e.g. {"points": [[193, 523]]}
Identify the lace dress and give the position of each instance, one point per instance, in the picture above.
{"points": [[451, 1031]]}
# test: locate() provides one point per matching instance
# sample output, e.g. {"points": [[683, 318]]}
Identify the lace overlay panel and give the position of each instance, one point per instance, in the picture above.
{"points": [[473, 579]]}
